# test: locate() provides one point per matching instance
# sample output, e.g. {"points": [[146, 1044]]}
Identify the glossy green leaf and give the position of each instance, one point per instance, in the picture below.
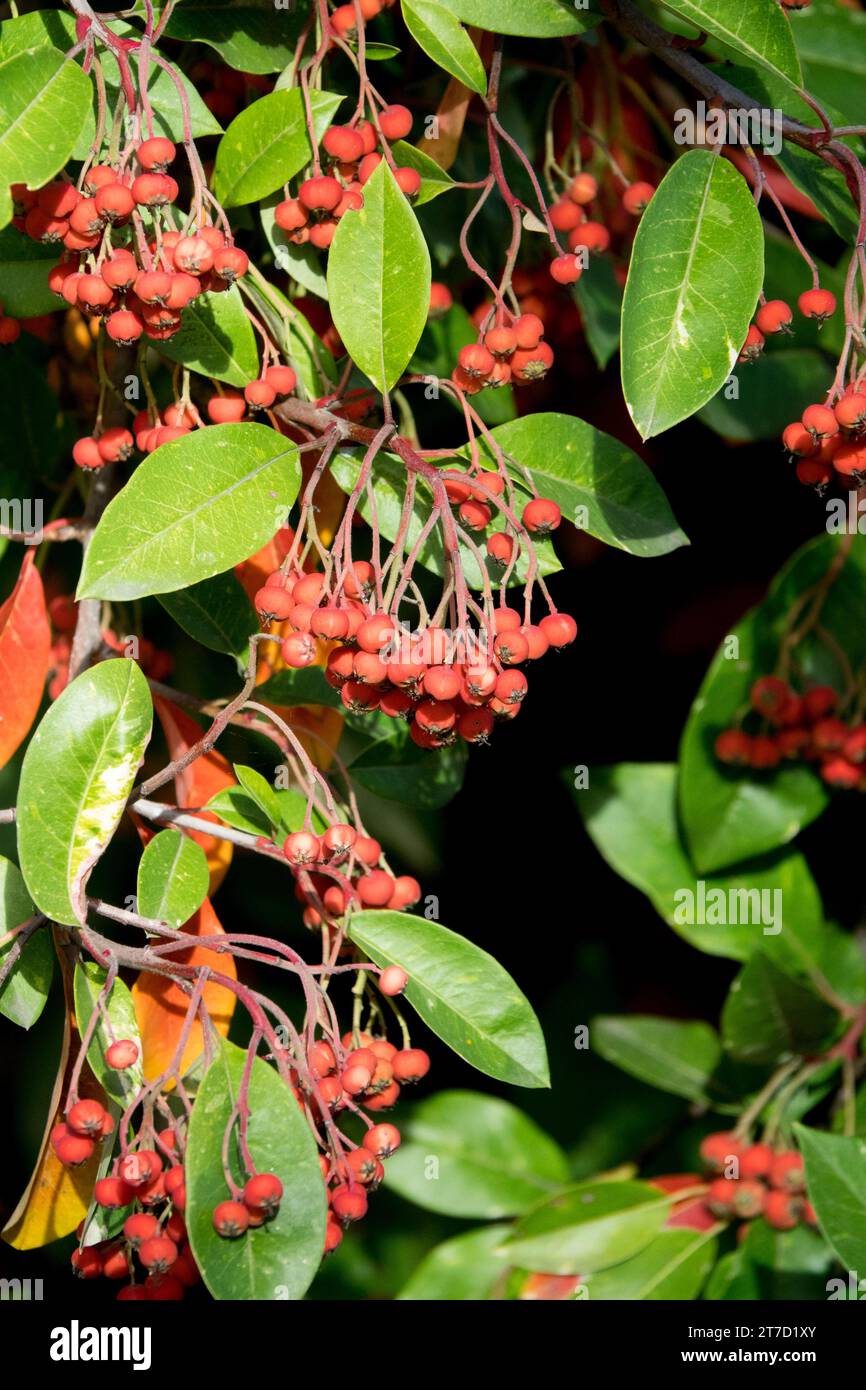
{"points": [[673, 1267], [217, 613], [24, 267], [443, 38], [464, 1268], [168, 114], [786, 1264], [392, 768], [261, 792], [389, 486], [836, 1181], [238, 809], [76, 776], [769, 1016], [216, 339], [42, 29], [599, 483], [44, 102], [673, 1055], [173, 878], [769, 394], [756, 29], [88, 981], [434, 179], [379, 281], [631, 813], [279, 1259], [306, 686], [461, 993], [192, 509], [599, 299], [693, 283], [731, 814], [830, 41], [24, 992], [467, 1154], [587, 1228], [531, 19], [250, 35], [268, 143]]}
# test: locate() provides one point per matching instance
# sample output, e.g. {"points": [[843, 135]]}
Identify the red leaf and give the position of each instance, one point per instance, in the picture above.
{"points": [[25, 653]]}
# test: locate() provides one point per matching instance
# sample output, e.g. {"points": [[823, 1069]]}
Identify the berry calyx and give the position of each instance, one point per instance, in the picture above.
{"points": [[817, 304]]}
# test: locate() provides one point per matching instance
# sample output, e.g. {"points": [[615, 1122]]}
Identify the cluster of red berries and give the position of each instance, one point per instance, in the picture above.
{"points": [[136, 291], [418, 680], [344, 19], [352, 150], [798, 727], [154, 1231], [568, 214], [768, 1182], [357, 859], [508, 352]]}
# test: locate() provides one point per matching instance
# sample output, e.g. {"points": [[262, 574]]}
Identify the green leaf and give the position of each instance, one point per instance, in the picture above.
{"points": [[442, 37], [590, 1227], [247, 34], [768, 1016], [461, 993], [193, 508], [630, 812], [238, 809], [76, 776], [464, 1268], [277, 1260], [88, 981], [261, 792], [673, 1266], [531, 19], [25, 990], [173, 878], [599, 299], [306, 686], [24, 267], [692, 287], [771, 392], [43, 29], [389, 487], [836, 1179], [216, 339], [830, 42], [379, 281], [268, 143], [434, 179], [467, 1154], [731, 814], [44, 102], [168, 115], [756, 29], [391, 767], [303, 264], [597, 482], [667, 1053], [216, 613]]}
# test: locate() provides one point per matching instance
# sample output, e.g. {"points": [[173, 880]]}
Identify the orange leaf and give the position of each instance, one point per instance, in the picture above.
{"points": [[25, 652], [161, 1005], [57, 1198], [195, 786]]}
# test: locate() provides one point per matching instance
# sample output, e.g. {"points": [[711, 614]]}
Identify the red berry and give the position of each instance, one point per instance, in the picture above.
{"points": [[382, 1140], [264, 1193], [475, 359], [230, 1219], [114, 202], [87, 1263], [299, 650], [157, 1254], [320, 194], [290, 215], [820, 421], [502, 342], [817, 304], [86, 1117], [733, 746], [349, 1204], [123, 1053], [226, 409], [395, 122], [594, 236], [282, 379], [156, 153], [531, 364], [344, 143], [154, 190], [560, 629], [720, 1197], [411, 1065], [768, 694], [566, 270], [375, 888], [753, 346], [140, 1227], [583, 189], [528, 330], [787, 1172], [124, 327], [393, 980], [408, 181], [774, 317], [230, 263], [73, 1150], [719, 1149], [637, 197], [441, 299], [850, 411], [113, 1193], [782, 1210], [193, 254], [302, 847], [259, 394], [541, 516], [756, 1161], [764, 753], [820, 701]]}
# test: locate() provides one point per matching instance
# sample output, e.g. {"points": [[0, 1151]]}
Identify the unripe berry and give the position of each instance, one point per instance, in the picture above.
{"points": [[230, 1219], [156, 153], [393, 980], [264, 1193], [637, 197], [817, 304], [395, 122], [774, 317]]}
